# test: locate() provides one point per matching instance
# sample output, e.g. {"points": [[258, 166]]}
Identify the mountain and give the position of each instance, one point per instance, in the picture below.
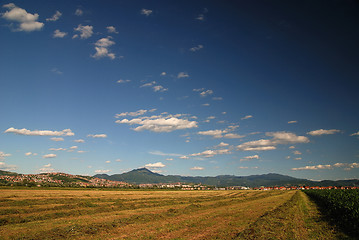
{"points": [[143, 175], [6, 173]]}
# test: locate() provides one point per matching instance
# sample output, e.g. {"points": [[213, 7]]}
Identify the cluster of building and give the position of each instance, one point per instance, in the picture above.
{"points": [[59, 179], [303, 188]]}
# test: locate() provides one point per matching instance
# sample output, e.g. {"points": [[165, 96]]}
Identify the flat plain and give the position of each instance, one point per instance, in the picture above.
{"points": [[134, 214]]}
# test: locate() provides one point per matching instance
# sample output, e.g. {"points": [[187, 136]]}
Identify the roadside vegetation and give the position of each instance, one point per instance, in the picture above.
{"points": [[97, 214]]}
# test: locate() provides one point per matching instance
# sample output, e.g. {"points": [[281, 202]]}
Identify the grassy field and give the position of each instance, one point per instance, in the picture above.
{"points": [[97, 214]]}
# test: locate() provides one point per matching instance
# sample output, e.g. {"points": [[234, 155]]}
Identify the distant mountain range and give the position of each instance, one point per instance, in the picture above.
{"points": [[143, 175]]}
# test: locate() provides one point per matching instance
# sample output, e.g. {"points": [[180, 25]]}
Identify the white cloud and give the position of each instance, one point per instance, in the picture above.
{"points": [[51, 155], [146, 12], [81, 151], [73, 147], [155, 165], [233, 136], [197, 48], [346, 166], [298, 158], [55, 17], [123, 81], [323, 132], [200, 17], [79, 12], [159, 88], [243, 167], [246, 117], [132, 114], [197, 168], [182, 75], [97, 135], [222, 144], [26, 154], [84, 31], [118, 160], [217, 98], [111, 29], [355, 134], [79, 140], [3, 155], [184, 157], [206, 104], [159, 123], [296, 152], [59, 34], [248, 158], [57, 139], [210, 153], [290, 122], [65, 132], [102, 171], [198, 90], [291, 147], [206, 93], [163, 74], [108, 162], [102, 46], [57, 71], [169, 159], [6, 167], [27, 21], [159, 153], [214, 133], [57, 149]]}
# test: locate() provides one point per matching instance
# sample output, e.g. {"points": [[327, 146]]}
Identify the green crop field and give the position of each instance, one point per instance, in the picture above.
{"points": [[99, 214]]}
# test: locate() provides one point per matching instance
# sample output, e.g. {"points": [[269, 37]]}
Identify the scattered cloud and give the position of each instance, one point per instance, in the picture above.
{"points": [[59, 34], [197, 168], [84, 31], [123, 81], [355, 134], [270, 144], [55, 17], [197, 48], [73, 147], [298, 158], [291, 147], [79, 12], [155, 165], [118, 160], [46, 168], [206, 93], [111, 29], [163, 74], [222, 144], [134, 114], [169, 159], [57, 149], [65, 132], [30, 153], [246, 117], [57, 71], [97, 135], [159, 153], [323, 132], [79, 140], [57, 139], [102, 48], [51, 155], [6, 167], [290, 122], [160, 123], [182, 75], [210, 153], [233, 136], [206, 104], [200, 17], [3, 155], [26, 21], [146, 12], [296, 152], [108, 162], [221, 133], [243, 167], [248, 158], [346, 166], [217, 98], [102, 171], [184, 157]]}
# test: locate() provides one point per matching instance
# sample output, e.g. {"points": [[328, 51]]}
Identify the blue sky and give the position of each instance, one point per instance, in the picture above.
{"points": [[200, 88]]}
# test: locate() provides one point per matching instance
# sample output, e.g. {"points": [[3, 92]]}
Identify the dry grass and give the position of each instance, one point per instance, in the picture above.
{"points": [[96, 214]]}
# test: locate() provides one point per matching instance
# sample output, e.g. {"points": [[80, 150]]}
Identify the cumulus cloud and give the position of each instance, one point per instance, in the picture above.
{"points": [[146, 12], [23, 131], [160, 123], [346, 166], [248, 158], [184, 157], [79, 140], [323, 132], [290, 122], [6, 167], [30, 153], [246, 117], [26, 21], [57, 139], [3, 155], [79, 12], [111, 29], [59, 34], [206, 93], [155, 165], [182, 75], [156, 88], [270, 144], [51, 155], [197, 168], [84, 31], [102, 171], [221, 133], [123, 81], [97, 135], [55, 17], [233, 136], [197, 48], [134, 114], [102, 48], [222, 144], [210, 153]]}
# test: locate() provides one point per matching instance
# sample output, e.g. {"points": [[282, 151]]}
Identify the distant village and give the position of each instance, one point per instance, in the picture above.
{"points": [[69, 180]]}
